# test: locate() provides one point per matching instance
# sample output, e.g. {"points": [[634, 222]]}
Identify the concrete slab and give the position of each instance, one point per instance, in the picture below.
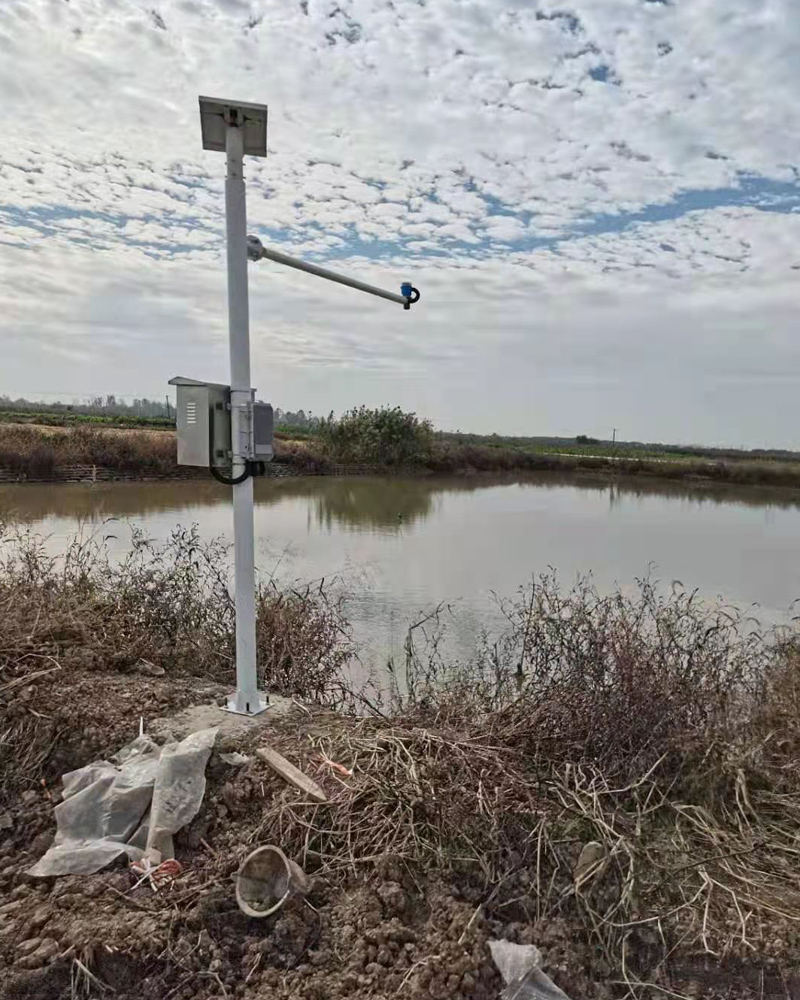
{"points": [[231, 727]]}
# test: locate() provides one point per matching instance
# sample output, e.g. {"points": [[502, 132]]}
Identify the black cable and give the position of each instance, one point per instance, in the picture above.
{"points": [[411, 299], [226, 480], [251, 468]]}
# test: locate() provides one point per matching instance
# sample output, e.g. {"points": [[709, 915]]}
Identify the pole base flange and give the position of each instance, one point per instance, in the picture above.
{"points": [[237, 704]]}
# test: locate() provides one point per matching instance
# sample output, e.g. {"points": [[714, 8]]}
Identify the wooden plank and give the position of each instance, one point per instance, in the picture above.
{"points": [[280, 765]]}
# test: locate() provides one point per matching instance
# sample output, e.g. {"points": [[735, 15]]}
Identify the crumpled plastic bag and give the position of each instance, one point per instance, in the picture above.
{"points": [[518, 964], [132, 804], [514, 960]]}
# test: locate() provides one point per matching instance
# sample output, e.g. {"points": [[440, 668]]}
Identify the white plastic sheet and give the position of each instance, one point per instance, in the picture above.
{"points": [[132, 804], [518, 964]]}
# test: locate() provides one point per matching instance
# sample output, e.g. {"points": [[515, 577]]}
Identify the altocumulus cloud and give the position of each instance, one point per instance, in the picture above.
{"points": [[599, 200]]}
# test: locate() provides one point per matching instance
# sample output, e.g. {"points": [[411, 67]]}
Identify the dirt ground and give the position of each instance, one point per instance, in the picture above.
{"points": [[381, 935], [385, 930]]}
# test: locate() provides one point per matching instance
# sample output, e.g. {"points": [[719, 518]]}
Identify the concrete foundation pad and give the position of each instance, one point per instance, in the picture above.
{"points": [[231, 727]]}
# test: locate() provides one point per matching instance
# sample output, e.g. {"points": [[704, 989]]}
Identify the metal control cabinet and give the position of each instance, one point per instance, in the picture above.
{"points": [[203, 423], [263, 427], [204, 426]]}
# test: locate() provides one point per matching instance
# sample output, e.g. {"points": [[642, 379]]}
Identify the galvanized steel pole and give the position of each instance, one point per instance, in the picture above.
{"points": [[256, 250], [246, 699]]}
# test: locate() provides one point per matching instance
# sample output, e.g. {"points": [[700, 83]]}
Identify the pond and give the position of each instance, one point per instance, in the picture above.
{"points": [[401, 545]]}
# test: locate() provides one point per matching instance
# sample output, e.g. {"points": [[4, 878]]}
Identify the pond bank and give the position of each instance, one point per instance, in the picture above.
{"points": [[466, 809], [68, 454]]}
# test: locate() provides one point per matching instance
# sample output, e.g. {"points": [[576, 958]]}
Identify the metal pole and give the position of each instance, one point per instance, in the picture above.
{"points": [[246, 699], [323, 272]]}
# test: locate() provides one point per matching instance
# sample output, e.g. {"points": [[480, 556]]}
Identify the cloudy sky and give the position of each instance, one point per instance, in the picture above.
{"points": [[598, 199]]}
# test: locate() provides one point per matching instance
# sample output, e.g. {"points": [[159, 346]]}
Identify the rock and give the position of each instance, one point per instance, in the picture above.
{"points": [[6, 821], [29, 797]]}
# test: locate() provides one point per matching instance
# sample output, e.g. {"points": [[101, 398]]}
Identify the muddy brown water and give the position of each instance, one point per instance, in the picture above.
{"points": [[400, 545]]}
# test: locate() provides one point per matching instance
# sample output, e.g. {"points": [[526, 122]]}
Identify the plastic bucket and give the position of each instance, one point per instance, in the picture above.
{"points": [[266, 879]]}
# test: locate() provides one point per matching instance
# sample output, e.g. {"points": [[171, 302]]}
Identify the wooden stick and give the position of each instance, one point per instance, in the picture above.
{"points": [[280, 765]]}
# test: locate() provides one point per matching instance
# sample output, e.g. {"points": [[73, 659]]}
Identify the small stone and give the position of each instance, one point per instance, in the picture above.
{"points": [[29, 797], [6, 821]]}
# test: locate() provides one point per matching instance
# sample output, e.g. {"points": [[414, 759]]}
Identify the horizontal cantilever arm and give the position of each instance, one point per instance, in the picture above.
{"points": [[256, 251]]}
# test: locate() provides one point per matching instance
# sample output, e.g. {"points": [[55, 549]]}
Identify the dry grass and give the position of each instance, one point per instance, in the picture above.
{"points": [[696, 855], [42, 452], [45, 452], [671, 744], [166, 606]]}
